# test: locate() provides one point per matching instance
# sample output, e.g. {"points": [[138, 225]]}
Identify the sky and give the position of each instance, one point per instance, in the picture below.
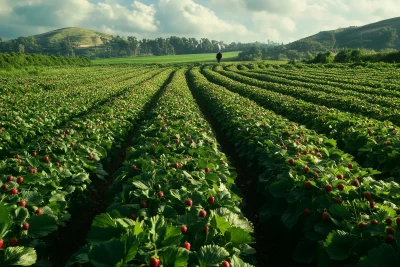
{"points": [[223, 20]]}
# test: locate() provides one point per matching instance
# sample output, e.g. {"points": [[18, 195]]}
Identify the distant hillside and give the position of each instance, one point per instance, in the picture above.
{"points": [[80, 37], [377, 36]]}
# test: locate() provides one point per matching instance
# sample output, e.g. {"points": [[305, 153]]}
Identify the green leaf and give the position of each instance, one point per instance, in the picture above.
{"points": [[5, 220], [174, 257], [32, 198], [221, 224], [238, 262], [305, 252], [281, 187], [234, 219], [385, 255], [110, 253], [20, 256], [81, 256], [20, 214], [103, 228], [238, 236], [340, 211], [338, 244], [140, 185], [41, 225], [172, 236], [290, 218], [131, 244], [211, 255]]}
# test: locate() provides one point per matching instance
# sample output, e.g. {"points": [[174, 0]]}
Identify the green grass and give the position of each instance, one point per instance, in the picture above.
{"points": [[209, 57]]}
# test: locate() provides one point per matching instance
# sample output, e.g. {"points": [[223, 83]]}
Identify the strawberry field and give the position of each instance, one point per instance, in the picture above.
{"points": [[201, 165]]}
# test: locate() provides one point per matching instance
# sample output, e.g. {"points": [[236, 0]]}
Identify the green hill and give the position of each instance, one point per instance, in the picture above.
{"points": [[79, 37]]}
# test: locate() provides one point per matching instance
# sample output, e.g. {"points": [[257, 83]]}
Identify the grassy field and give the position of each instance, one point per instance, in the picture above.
{"points": [[209, 57]]}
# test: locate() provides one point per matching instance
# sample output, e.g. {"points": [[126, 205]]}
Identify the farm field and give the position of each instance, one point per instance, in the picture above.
{"points": [[238, 164]]}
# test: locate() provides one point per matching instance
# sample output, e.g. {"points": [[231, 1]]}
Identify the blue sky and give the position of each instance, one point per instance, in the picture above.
{"points": [[226, 20]]}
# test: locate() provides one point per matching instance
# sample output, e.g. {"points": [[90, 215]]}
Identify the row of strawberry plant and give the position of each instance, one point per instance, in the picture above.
{"points": [[48, 112], [341, 102], [369, 95], [360, 79], [36, 187], [372, 142], [347, 217], [174, 201], [309, 82]]}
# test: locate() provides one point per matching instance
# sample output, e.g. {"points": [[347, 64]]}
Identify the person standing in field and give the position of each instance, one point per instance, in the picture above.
{"points": [[219, 56]]}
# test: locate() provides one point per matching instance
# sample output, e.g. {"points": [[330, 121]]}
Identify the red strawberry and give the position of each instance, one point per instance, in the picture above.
{"points": [[291, 161], [328, 188], [389, 221], [189, 202], [90, 156], [4, 186], [1, 243], [22, 203], [350, 166], [325, 216], [338, 201], [374, 222], [206, 229], [316, 175], [361, 225], [184, 229], [176, 165], [389, 239], [202, 213], [211, 200], [25, 225], [306, 169], [340, 187], [134, 167], [372, 204], [143, 204], [160, 194], [367, 195], [14, 191], [34, 153], [20, 179], [187, 245], [10, 178], [355, 183], [39, 212], [13, 242], [390, 231], [307, 212], [133, 217], [154, 262], [340, 177], [207, 170], [307, 184], [225, 264]]}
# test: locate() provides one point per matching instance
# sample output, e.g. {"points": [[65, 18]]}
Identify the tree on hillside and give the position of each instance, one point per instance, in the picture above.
{"points": [[21, 48], [94, 41]]}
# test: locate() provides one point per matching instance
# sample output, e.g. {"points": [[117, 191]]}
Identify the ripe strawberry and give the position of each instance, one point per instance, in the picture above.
{"points": [[4, 186], [154, 262], [389, 221], [355, 183], [189, 202], [306, 169], [390, 231], [202, 213], [134, 167], [307, 212], [361, 225], [184, 229], [374, 222], [211, 200], [350, 166], [340, 177], [20, 179], [389, 239], [206, 229], [133, 217], [176, 165], [207, 170], [225, 264], [316, 175], [372, 204], [328, 188], [186, 245], [338, 201], [39, 212], [14, 191], [177, 141], [398, 221], [22, 203], [340, 187], [13, 242], [160, 194], [46, 158], [25, 226], [222, 161], [143, 204], [325, 216], [10, 178], [58, 164], [34, 153], [90, 156], [1, 243], [367, 195], [291, 161]]}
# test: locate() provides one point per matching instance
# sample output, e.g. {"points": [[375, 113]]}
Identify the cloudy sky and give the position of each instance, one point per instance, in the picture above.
{"points": [[227, 20]]}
